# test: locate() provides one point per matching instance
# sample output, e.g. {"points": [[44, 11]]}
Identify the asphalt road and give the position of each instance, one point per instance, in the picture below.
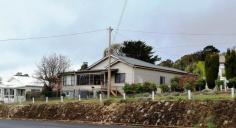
{"points": [[48, 124]]}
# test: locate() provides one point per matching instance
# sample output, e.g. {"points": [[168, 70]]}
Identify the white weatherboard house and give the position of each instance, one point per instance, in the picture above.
{"points": [[15, 89], [123, 70]]}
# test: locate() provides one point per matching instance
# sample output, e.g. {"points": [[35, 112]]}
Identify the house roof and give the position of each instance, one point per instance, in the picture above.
{"points": [[21, 81], [138, 63]]}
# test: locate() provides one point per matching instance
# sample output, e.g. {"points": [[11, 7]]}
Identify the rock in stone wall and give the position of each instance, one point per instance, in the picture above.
{"points": [[174, 113]]}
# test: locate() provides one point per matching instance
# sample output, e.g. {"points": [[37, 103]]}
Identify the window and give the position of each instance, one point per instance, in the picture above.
{"points": [[120, 78], [68, 80], [84, 80], [90, 79], [97, 79], [162, 80], [21, 92]]}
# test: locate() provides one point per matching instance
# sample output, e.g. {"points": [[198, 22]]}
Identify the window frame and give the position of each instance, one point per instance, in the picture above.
{"points": [[162, 80], [119, 79]]}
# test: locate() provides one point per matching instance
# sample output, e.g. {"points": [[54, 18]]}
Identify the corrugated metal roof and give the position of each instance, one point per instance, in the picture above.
{"points": [[137, 62], [21, 81]]}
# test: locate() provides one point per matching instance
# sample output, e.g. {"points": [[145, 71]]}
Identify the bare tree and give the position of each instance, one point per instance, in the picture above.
{"points": [[50, 67]]}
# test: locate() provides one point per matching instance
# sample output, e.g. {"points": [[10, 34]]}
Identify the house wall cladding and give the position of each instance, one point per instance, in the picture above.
{"points": [[143, 75]]}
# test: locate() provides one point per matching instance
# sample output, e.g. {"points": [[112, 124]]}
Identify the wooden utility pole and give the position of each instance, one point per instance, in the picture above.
{"points": [[109, 64]]}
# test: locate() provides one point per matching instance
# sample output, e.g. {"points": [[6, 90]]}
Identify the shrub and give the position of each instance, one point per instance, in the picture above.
{"points": [[175, 86], [164, 88], [128, 89], [188, 86], [218, 83], [200, 84], [149, 87], [187, 79], [139, 88], [232, 83]]}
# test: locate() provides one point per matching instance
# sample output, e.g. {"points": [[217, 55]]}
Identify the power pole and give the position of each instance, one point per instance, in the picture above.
{"points": [[109, 64]]}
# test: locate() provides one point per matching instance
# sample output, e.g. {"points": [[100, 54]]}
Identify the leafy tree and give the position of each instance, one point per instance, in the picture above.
{"points": [[167, 63], [212, 69], [187, 62], [199, 69], [84, 66], [230, 64], [139, 50]]}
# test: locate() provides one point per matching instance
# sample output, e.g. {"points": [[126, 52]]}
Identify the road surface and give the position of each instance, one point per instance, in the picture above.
{"points": [[48, 124]]}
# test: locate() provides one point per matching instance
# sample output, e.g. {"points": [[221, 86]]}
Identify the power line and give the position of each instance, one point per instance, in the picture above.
{"points": [[120, 19], [51, 36], [179, 46], [185, 34], [198, 44]]}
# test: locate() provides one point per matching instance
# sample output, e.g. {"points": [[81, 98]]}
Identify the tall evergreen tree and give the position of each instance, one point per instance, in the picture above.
{"points": [[230, 64], [84, 66], [139, 50], [212, 69], [210, 49]]}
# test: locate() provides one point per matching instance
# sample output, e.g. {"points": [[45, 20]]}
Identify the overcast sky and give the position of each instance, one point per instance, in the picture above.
{"points": [[180, 26]]}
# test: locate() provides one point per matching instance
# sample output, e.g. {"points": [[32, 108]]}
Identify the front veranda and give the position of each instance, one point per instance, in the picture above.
{"points": [[12, 95], [88, 83]]}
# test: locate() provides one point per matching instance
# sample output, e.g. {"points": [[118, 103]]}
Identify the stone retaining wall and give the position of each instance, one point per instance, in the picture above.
{"points": [[174, 113]]}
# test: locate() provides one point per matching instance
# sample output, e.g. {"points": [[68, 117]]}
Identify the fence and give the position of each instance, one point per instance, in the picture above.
{"points": [[153, 96]]}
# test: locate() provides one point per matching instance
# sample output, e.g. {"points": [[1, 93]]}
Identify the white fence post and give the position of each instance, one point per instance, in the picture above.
{"points": [[79, 98], [62, 100], [153, 95], [124, 96], [100, 97], [232, 92], [33, 100], [46, 99], [189, 94]]}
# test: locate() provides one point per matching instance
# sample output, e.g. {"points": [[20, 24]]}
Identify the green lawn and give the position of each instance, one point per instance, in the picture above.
{"points": [[142, 97]]}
